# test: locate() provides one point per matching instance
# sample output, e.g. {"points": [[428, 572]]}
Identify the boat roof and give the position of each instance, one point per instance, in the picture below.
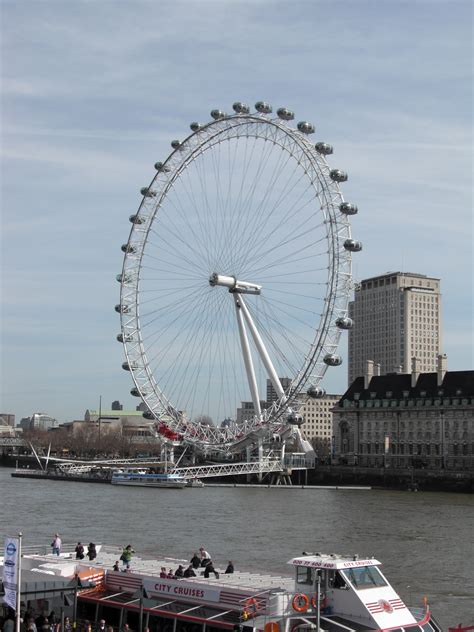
{"points": [[332, 561], [250, 582]]}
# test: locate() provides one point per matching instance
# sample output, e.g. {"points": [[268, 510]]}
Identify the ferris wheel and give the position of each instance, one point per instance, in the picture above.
{"points": [[236, 277]]}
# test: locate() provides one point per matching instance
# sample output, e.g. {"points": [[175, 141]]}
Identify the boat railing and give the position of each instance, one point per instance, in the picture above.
{"points": [[67, 550]]}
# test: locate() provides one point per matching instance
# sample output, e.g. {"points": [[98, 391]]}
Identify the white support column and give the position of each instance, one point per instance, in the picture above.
{"points": [[272, 374], [247, 357]]}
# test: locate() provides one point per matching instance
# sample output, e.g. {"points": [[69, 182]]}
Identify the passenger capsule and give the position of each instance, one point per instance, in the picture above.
{"points": [[352, 245], [147, 414], [147, 192], [137, 219], [176, 144], [123, 278], [129, 366], [128, 248], [218, 114], [122, 309], [240, 108], [285, 114], [160, 166], [127, 338], [344, 322], [337, 175], [305, 127], [331, 359], [295, 420], [135, 392], [315, 392], [348, 209], [195, 127], [324, 148], [263, 107]]}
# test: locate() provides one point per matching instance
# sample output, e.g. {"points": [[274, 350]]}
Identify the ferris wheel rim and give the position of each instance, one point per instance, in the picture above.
{"points": [[177, 162]]}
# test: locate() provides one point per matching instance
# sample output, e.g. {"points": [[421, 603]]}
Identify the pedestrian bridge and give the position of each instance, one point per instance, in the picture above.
{"points": [[266, 465]]}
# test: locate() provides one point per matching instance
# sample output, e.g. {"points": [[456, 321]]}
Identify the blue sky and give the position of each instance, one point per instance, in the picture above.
{"points": [[93, 93]]}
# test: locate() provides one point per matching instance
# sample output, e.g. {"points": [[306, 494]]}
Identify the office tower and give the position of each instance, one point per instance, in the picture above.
{"points": [[271, 393], [318, 421], [397, 317]]}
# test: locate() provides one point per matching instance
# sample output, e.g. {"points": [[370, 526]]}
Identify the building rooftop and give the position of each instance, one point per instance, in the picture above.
{"points": [[455, 383]]}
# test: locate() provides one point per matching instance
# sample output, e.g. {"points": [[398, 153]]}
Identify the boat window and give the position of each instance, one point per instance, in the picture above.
{"points": [[304, 575], [86, 611], [132, 618], [160, 624], [187, 626], [336, 580], [110, 614], [364, 577]]}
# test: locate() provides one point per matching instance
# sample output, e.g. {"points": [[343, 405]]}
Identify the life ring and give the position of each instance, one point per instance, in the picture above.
{"points": [[323, 602], [300, 602]]}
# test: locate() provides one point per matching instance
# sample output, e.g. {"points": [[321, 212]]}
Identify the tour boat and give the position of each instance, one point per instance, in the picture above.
{"points": [[327, 592], [147, 479]]}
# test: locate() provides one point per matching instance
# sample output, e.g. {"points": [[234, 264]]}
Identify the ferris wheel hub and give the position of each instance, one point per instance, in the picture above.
{"points": [[235, 286]]}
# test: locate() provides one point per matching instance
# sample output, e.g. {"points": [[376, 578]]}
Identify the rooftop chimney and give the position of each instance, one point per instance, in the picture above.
{"points": [[377, 369], [442, 368], [369, 373], [415, 371]]}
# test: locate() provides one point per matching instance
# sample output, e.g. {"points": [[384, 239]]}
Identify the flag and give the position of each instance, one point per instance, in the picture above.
{"points": [[10, 571]]}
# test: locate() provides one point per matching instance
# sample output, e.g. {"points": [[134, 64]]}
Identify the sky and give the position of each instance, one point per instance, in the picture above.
{"points": [[94, 91]]}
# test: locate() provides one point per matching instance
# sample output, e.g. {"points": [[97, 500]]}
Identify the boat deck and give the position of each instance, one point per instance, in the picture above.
{"points": [[250, 582]]}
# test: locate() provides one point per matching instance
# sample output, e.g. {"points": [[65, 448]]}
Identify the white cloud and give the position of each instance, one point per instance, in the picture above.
{"points": [[93, 93]]}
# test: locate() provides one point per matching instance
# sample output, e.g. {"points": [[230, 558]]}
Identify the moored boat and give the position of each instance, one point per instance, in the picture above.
{"points": [[335, 593], [148, 479]]}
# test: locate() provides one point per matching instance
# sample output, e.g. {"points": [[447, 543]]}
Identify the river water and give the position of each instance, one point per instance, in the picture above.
{"points": [[423, 539]]}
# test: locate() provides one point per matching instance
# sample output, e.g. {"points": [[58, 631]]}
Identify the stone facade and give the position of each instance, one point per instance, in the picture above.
{"points": [[408, 420], [318, 421]]}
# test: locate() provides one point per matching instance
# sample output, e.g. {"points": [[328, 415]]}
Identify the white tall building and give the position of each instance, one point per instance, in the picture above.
{"points": [[397, 317], [317, 418]]}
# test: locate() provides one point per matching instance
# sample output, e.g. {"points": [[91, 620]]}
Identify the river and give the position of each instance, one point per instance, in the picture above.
{"points": [[423, 539]]}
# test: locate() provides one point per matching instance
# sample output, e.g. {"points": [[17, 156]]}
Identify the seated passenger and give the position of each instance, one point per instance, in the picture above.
{"points": [[163, 574], [189, 572], [179, 572], [195, 561], [230, 568]]}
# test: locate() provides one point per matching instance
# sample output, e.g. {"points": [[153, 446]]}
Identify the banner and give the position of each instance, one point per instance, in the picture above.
{"points": [[10, 571]]}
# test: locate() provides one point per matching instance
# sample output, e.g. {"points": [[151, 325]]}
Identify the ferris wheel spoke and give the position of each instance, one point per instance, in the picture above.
{"points": [[246, 204]]}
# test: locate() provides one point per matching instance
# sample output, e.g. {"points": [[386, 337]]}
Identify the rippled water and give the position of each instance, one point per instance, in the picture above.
{"points": [[424, 540]]}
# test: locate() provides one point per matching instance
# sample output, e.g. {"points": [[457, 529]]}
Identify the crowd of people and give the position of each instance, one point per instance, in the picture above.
{"points": [[200, 563], [201, 560]]}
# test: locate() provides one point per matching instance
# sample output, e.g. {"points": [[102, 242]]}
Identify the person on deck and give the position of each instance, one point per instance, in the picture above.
{"points": [[126, 556], [91, 551], [189, 572], [230, 568], [210, 569], [195, 561], [179, 572], [79, 550], [56, 544], [205, 556]]}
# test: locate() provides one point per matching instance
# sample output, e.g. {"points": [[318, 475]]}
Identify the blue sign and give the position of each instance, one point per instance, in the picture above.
{"points": [[10, 549]]}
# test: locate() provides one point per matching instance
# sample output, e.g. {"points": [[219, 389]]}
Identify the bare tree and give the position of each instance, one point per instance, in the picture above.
{"points": [[204, 420]]}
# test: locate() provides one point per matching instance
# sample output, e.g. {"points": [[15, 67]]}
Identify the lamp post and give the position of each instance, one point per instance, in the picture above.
{"points": [[100, 417]]}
